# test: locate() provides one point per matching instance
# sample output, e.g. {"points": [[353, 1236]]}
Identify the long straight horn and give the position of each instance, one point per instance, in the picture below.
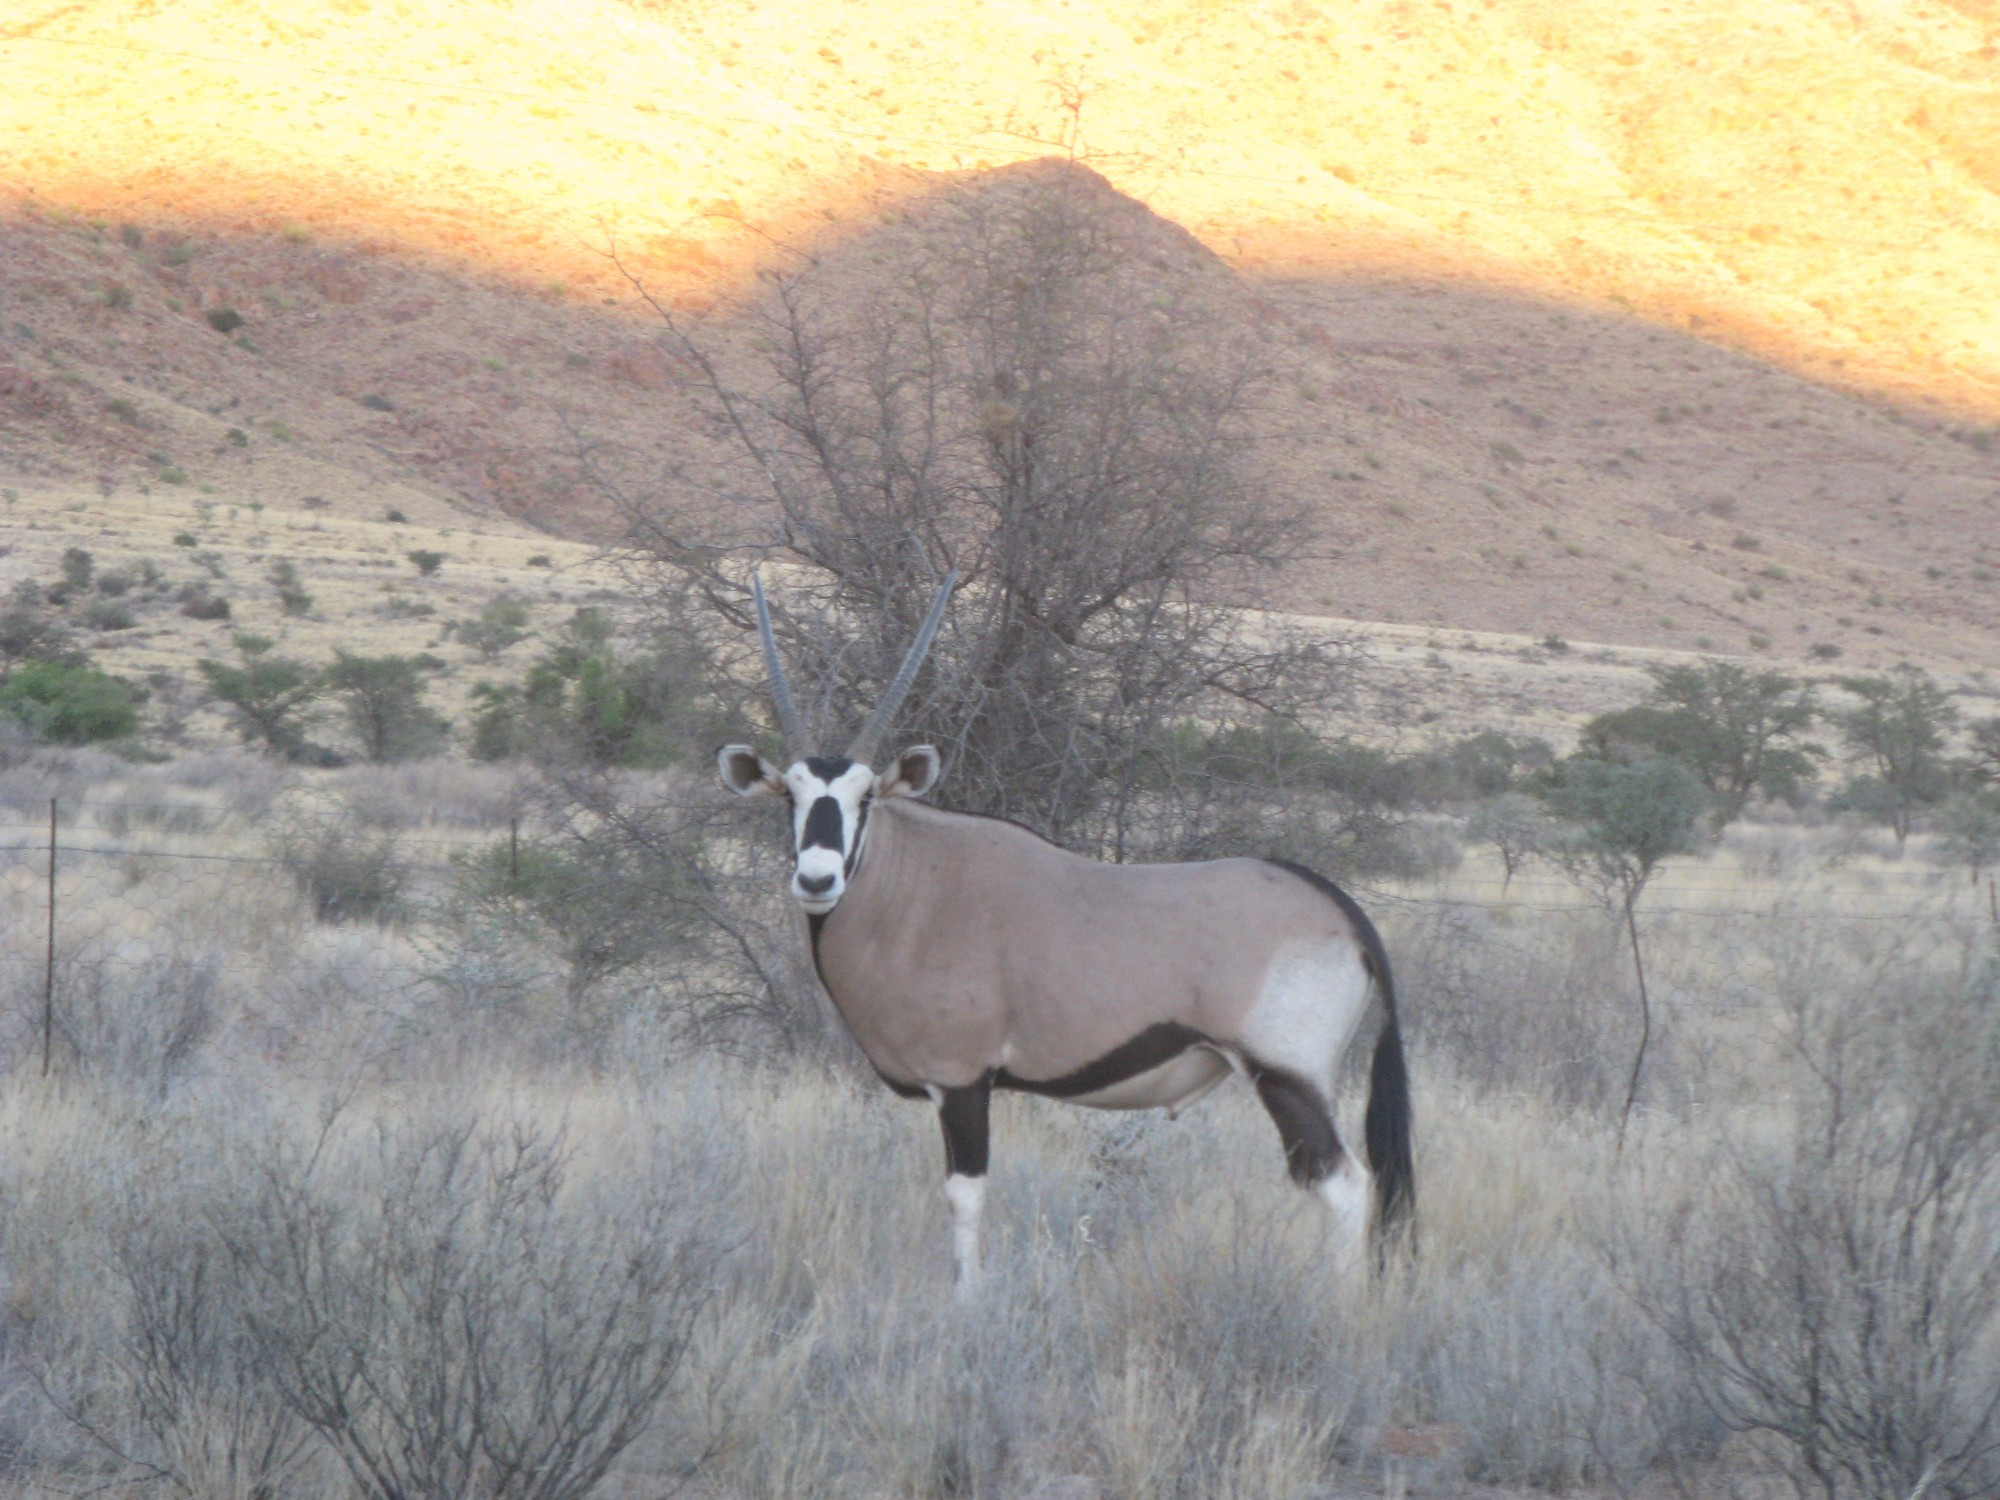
{"points": [[863, 748], [797, 746]]}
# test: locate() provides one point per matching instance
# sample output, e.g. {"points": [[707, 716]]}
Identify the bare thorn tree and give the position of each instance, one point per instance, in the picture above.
{"points": [[1055, 393]]}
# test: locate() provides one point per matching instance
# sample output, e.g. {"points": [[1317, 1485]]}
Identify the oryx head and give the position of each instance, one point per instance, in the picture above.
{"points": [[830, 795]]}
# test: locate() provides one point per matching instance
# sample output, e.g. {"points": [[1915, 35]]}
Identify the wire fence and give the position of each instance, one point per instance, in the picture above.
{"points": [[129, 904]]}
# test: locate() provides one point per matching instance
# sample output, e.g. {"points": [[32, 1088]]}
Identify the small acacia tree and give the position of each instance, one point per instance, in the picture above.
{"points": [[1982, 761], [1968, 830], [382, 698], [270, 697], [1518, 828], [1898, 733], [1740, 732], [1628, 820]]}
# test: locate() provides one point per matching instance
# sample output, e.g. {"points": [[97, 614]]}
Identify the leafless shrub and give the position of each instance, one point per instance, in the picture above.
{"points": [[1837, 1294], [28, 781], [452, 1315], [687, 883], [123, 1315], [1541, 1015], [1530, 1357], [427, 793], [136, 1014], [186, 1372], [247, 784], [1054, 396], [348, 873]]}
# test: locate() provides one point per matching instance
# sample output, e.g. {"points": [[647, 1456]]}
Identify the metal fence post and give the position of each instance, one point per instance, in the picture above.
{"points": [[49, 971]]}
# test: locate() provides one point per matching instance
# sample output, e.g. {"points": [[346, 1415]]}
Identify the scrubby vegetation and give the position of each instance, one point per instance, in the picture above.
{"points": [[342, 1176]]}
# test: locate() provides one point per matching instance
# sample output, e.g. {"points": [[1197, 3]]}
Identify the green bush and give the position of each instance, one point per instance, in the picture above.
{"points": [[600, 915], [205, 606], [1741, 732], [292, 594], [497, 730], [77, 567], [602, 706], [69, 704], [502, 622]]}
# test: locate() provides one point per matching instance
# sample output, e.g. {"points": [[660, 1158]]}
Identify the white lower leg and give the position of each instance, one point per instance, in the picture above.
{"points": [[966, 1195], [1345, 1193]]}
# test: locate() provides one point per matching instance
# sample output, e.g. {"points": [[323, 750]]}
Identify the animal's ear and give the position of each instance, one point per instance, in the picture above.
{"points": [[747, 773], [915, 772]]}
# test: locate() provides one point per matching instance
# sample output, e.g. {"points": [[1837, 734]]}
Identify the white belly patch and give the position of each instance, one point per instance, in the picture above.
{"points": [[1177, 1081]]}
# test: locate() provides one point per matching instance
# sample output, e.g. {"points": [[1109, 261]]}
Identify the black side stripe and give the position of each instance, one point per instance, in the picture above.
{"points": [[1155, 1045], [860, 827]]}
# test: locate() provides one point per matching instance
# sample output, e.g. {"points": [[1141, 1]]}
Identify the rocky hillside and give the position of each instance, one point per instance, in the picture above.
{"points": [[1479, 459]]}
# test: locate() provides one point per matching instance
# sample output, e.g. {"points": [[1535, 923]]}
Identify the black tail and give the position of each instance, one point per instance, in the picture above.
{"points": [[1385, 1129], [1386, 1126]]}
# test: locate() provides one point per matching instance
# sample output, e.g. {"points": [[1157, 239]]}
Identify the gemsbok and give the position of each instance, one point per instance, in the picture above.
{"points": [[967, 954]]}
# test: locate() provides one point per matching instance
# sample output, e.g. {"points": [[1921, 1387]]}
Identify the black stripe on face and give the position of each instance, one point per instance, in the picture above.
{"points": [[1155, 1045], [860, 827], [824, 829], [828, 768]]}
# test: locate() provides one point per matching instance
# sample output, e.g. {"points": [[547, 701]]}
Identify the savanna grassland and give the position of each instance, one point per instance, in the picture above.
{"points": [[311, 1205]]}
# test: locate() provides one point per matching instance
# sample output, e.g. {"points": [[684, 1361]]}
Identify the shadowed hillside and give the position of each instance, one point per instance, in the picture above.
{"points": [[1480, 459]]}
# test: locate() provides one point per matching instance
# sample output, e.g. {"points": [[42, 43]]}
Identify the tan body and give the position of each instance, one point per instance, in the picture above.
{"points": [[968, 945]]}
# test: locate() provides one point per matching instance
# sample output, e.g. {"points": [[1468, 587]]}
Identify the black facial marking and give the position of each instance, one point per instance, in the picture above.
{"points": [[860, 826], [828, 768], [963, 1114], [823, 827], [1155, 1045], [1312, 1148]]}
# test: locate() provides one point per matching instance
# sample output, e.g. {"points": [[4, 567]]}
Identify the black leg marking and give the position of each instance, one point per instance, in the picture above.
{"points": [[963, 1113], [1146, 1051], [1305, 1125]]}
